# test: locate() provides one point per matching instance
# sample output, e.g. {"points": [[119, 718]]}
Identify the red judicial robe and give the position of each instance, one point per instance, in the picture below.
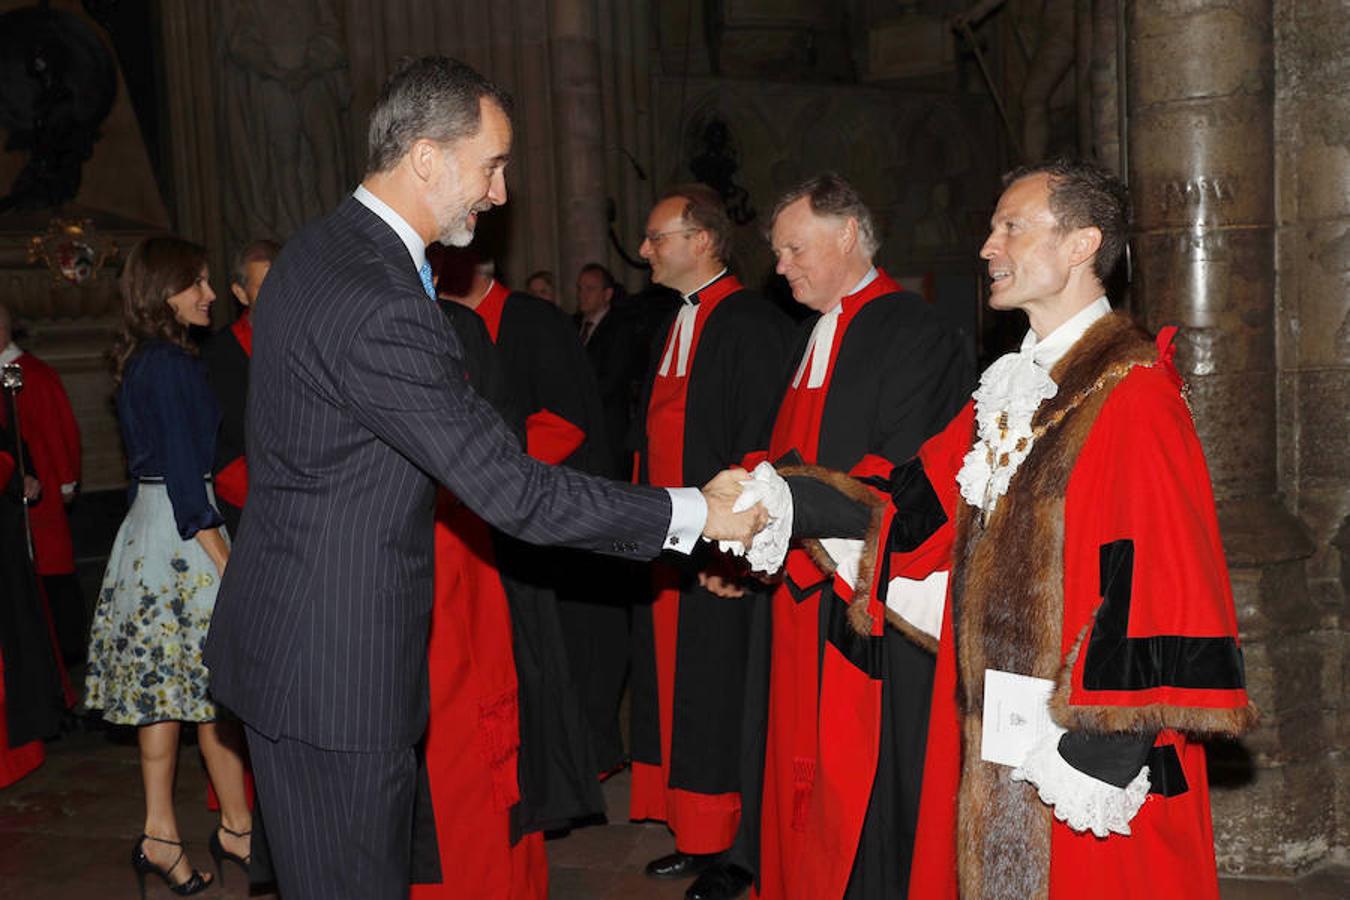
{"points": [[31, 697], [846, 713], [690, 646], [505, 756], [1142, 640], [53, 441]]}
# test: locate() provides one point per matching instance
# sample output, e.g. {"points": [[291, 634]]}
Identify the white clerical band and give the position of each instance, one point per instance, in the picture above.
{"points": [[681, 337], [817, 354]]}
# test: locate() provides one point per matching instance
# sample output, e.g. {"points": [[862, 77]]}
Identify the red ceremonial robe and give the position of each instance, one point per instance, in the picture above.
{"points": [[53, 440], [472, 749], [690, 647], [1144, 641], [894, 375]]}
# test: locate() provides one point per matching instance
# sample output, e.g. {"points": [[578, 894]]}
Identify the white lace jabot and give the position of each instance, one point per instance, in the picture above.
{"points": [[1010, 392]]}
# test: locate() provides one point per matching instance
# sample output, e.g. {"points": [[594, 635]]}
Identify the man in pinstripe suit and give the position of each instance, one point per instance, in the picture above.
{"points": [[358, 408]]}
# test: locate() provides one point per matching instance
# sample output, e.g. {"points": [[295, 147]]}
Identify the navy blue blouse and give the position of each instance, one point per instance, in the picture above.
{"points": [[169, 419]]}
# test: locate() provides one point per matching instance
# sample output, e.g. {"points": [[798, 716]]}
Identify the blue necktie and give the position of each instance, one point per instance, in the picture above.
{"points": [[425, 273]]}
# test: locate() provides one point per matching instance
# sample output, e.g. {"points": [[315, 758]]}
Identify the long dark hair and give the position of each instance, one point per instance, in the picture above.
{"points": [[155, 270]]}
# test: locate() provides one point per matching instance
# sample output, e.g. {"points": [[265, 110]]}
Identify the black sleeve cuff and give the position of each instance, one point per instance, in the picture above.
{"points": [[918, 512], [818, 510], [1113, 758]]}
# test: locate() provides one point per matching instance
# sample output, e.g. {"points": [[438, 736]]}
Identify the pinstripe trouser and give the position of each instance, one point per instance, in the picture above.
{"points": [[339, 823]]}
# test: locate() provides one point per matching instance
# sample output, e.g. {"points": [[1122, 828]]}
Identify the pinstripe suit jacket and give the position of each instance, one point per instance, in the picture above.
{"points": [[358, 406]]}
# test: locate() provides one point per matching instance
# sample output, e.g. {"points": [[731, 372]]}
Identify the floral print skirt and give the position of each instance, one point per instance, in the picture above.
{"points": [[150, 623]]}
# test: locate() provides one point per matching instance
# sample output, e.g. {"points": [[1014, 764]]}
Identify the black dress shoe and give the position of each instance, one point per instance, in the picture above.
{"points": [[680, 865], [723, 881]]}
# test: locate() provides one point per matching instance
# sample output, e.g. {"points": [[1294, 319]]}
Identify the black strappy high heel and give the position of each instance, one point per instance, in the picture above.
{"points": [[195, 884], [220, 854]]}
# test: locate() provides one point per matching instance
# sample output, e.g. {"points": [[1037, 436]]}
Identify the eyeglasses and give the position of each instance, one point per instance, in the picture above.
{"points": [[656, 237]]}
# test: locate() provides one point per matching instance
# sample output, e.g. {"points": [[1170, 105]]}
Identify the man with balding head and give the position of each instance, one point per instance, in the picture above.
{"points": [[708, 401], [844, 705]]}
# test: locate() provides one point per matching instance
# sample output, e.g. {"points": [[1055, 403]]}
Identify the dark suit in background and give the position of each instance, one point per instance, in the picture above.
{"points": [[359, 407]]}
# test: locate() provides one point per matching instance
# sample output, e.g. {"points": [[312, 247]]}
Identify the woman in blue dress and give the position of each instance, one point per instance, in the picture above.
{"points": [[154, 608]]}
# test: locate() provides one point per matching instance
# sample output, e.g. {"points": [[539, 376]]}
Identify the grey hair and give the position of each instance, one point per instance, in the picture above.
{"points": [[433, 97], [830, 195], [263, 250]]}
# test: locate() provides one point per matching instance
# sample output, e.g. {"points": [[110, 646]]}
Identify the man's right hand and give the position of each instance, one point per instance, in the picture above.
{"points": [[724, 525]]}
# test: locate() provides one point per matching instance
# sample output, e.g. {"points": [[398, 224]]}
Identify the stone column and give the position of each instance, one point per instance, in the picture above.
{"points": [[1201, 171], [1104, 83], [1312, 261], [579, 137]]}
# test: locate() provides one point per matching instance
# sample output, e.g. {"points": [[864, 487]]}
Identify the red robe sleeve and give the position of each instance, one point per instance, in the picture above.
{"points": [[550, 438], [49, 425], [6, 467], [1150, 633], [53, 439], [232, 482], [941, 456]]}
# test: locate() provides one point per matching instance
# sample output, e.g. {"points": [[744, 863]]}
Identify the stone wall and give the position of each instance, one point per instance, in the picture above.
{"points": [[1237, 132], [1312, 262]]}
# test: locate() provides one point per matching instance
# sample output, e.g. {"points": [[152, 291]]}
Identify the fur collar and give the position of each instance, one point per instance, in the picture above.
{"points": [[1007, 598]]}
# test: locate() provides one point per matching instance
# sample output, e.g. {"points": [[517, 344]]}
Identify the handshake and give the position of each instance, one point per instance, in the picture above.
{"points": [[724, 522]]}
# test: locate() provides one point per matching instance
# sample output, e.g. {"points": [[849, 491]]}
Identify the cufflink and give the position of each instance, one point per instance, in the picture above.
{"points": [[674, 540]]}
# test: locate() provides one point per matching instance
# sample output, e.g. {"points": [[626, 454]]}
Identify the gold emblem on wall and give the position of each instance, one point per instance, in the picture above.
{"points": [[72, 250]]}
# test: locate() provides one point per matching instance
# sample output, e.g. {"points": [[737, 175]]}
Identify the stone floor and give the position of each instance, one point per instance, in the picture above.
{"points": [[66, 833]]}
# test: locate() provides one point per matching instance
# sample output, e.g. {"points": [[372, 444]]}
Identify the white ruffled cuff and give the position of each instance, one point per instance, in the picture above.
{"points": [[769, 548], [1078, 800]]}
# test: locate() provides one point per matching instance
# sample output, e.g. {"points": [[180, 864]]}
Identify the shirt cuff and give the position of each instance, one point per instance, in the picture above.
{"points": [[1077, 799], [688, 515]]}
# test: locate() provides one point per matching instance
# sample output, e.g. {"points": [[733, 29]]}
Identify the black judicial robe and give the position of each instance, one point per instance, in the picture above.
{"points": [[536, 375], [226, 356], [554, 385], [691, 701], [554, 766], [898, 376]]}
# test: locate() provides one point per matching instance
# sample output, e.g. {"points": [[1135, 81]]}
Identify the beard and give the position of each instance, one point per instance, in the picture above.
{"points": [[455, 212], [456, 229]]}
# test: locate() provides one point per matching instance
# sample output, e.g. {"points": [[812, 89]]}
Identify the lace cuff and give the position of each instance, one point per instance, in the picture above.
{"points": [[1080, 801], [768, 548]]}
